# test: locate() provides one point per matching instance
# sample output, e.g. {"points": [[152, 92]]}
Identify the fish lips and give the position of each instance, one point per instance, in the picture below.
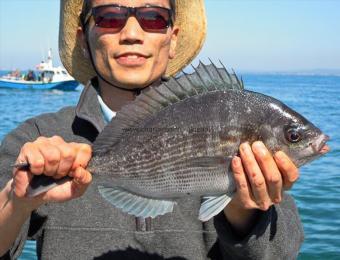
{"points": [[320, 146]]}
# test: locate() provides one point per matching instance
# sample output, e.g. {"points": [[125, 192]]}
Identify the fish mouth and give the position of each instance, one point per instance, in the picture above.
{"points": [[320, 146]]}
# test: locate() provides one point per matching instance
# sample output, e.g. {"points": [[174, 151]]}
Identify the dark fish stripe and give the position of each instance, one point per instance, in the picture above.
{"points": [[174, 171], [174, 154], [222, 144]]}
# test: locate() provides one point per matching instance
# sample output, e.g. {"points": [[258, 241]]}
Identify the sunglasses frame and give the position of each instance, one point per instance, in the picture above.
{"points": [[130, 11]]}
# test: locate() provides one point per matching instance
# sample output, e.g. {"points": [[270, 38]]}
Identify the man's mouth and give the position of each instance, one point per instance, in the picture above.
{"points": [[131, 58]]}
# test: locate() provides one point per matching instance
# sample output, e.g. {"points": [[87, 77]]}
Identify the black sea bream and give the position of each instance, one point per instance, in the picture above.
{"points": [[178, 140]]}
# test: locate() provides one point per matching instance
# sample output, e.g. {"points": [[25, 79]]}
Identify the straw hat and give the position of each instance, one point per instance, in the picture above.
{"points": [[190, 17]]}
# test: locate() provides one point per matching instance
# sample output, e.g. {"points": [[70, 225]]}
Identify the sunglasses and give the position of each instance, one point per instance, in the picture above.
{"points": [[114, 17]]}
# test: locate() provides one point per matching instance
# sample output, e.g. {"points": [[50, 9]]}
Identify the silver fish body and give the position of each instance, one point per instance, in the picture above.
{"points": [[185, 148], [178, 140]]}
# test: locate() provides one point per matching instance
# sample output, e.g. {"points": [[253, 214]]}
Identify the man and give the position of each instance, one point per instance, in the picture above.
{"points": [[125, 46]]}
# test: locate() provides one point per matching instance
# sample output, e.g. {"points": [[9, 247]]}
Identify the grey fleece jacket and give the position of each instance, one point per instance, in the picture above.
{"points": [[90, 228]]}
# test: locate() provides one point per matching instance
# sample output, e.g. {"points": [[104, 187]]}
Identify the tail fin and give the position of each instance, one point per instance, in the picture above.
{"points": [[42, 183]]}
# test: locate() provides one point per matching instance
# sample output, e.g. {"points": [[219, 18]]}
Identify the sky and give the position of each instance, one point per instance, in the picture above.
{"points": [[247, 35]]}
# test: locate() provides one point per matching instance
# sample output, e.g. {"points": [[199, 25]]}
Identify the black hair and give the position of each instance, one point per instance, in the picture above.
{"points": [[173, 8], [85, 10]]}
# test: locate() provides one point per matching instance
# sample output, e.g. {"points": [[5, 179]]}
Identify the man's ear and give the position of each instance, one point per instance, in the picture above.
{"points": [[173, 43], [81, 37]]}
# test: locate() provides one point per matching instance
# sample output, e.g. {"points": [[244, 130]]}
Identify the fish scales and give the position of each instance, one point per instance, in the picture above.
{"points": [[160, 166], [172, 156], [170, 177]]}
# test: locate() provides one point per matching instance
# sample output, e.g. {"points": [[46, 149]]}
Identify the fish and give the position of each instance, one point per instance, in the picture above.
{"points": [[178, 139]]}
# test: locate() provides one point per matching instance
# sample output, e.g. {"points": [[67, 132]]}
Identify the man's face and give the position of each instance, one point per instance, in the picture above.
{"points": [[132, 57]]}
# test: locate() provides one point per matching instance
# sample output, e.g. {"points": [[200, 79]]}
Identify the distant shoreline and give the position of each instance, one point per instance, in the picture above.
{"points": [[290, 74], [316, 73]]}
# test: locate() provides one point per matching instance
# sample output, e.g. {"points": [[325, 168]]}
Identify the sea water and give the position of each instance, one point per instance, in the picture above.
{"points": [[317, 191]]}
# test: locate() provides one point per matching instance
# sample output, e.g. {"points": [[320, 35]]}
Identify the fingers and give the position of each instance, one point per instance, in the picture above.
{"points": [[242, 185], [255, 177], [20, 183], [67, 156], [269, 170], [52, 157], [290, 173], [21, 178], [81, 180], [84, 154], [261, 178], [70, 189], [30, 153], [81, 176]]}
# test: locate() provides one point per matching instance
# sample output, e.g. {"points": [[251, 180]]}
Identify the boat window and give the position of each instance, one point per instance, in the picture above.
{"points": [[47, 76], [64, 72]]}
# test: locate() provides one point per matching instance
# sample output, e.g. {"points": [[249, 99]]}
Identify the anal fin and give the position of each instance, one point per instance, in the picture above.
{"points": [[134, 204]]}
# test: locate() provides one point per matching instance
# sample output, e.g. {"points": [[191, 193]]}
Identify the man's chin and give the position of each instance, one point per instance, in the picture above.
{"points": [[133, 82]]}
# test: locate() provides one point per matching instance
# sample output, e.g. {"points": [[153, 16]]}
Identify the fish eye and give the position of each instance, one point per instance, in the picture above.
{"points": [[293, 135]]}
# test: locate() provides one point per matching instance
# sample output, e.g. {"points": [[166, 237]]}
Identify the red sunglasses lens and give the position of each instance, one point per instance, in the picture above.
{"points": [[115, 17], [153, 18], [110, 17]]}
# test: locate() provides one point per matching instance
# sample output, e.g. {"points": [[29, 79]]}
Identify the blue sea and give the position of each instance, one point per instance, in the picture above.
{"points": [[317, 192]]}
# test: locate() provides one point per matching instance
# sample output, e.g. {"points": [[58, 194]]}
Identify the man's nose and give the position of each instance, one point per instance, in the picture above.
{"points": [[132, 32]]}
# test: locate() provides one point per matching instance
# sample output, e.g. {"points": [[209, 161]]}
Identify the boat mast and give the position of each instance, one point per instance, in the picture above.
{"points": [[49, 59]]}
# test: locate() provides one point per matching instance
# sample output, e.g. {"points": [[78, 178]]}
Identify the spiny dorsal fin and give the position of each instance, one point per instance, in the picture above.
{"points": [[204, 79]]}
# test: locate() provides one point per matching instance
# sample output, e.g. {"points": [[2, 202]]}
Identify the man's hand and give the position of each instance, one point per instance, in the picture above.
{"points": [[260, 180], [55, 158]]}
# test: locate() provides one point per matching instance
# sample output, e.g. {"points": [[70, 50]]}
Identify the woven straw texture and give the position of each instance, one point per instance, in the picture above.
{"points": [[190, 17]]}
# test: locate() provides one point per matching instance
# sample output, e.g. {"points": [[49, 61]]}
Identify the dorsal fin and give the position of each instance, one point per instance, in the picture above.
{"points": [[205, 78]]}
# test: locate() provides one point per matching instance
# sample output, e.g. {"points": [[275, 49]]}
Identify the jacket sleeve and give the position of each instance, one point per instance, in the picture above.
{"points": [[9, 150], [278, 234]]}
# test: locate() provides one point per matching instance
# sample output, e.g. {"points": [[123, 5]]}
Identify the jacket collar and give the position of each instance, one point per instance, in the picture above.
{"points": [[88, 107]]}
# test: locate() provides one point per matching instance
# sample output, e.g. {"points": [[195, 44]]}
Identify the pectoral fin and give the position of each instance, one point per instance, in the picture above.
{"points": [[212, 206]]}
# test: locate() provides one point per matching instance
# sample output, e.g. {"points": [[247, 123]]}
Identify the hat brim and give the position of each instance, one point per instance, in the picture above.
{"points": [[190, 18]]}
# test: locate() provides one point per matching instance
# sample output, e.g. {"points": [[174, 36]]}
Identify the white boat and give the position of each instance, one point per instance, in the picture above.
{"points": [[44, 77]]}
